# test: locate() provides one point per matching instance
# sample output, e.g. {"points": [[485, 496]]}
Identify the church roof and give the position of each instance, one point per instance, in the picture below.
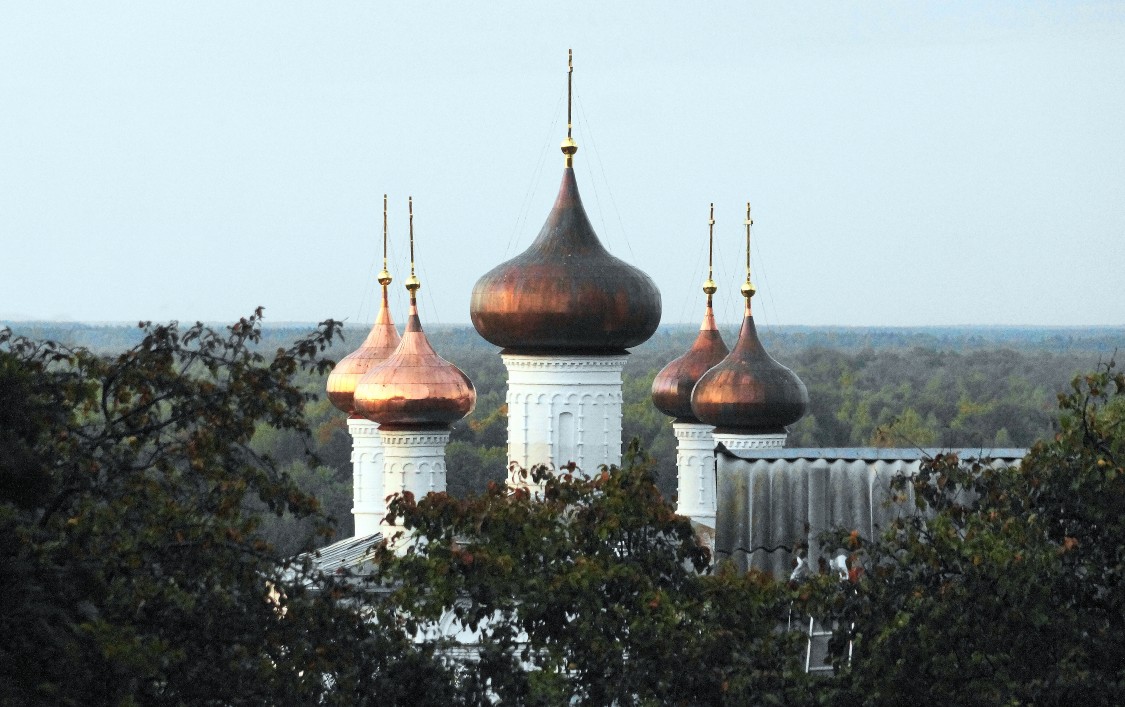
{"points": [[831, 454], [348, 554], [749, 392], [415, 388], [566, 293], [773, 501], [671, 389], [376, 348]]}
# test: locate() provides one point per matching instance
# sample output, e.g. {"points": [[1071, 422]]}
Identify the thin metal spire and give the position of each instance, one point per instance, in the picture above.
{"points": [[748, 288], [569, 89], [569, 146], [412, 283], [709, 285], [384, 274]]}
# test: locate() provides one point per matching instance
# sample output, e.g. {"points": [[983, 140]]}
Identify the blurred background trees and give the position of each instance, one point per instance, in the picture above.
{"points": [[975, 388]]}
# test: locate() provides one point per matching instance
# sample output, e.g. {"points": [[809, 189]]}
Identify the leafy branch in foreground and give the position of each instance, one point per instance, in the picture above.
{"points": [[1008, 584], [592, 591], [130, 501]]}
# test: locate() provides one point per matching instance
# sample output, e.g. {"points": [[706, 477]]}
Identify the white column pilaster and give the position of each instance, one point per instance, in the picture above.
{"points": [[695, 466], [367, 475], [413, 461]]}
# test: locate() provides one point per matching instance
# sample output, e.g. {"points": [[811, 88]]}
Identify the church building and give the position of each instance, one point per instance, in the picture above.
{"points": [[565, 312]]}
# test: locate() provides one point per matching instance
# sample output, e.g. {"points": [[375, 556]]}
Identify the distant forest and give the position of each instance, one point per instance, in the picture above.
{"points": [[978, 387]]}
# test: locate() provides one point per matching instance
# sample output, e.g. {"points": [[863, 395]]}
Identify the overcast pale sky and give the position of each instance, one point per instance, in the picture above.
{"points": [[908, 163]]}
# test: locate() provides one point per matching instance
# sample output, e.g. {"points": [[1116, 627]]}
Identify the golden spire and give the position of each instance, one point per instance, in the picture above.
{"points": [[748, 288], [709, 285], [412, 283], [569, 146], [384, 274]]}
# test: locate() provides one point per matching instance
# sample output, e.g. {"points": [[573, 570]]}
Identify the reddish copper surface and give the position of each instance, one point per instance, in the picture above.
{"points": [[566, 293], [379, 345], [671, 390], [749, 392], [415, 388]]}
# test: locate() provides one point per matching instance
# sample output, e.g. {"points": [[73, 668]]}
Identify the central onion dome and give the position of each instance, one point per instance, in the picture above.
{"points": [[749, 392], [566, 293], [415, 389], [378, 346], [671, 389]]}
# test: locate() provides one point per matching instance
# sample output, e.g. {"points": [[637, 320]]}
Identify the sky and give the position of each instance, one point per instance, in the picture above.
{"points": [[909, 164]]}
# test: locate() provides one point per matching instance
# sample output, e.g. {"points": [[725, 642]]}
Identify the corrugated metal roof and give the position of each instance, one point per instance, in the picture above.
{"points": [[770, 502], [874, 453], [348, 553]]}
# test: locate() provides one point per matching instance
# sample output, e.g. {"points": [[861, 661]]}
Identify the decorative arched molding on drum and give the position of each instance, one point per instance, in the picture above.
{"points": [[585, 389]]}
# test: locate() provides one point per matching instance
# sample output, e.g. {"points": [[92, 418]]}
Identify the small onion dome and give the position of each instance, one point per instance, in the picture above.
{"points": [[749, 392], [415, 389], [566, 293], [671, 390], [378, 347]]}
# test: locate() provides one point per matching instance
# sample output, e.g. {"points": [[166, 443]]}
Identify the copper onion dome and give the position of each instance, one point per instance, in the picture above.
{"points": [[415, 388], [671, 389], [749, 392], [378, 346], [566, 293]]}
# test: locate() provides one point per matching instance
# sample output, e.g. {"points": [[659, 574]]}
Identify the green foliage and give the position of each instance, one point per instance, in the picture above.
{"points": [[131, 503], [472, 467], [899, 387], [643, 422], [149, 500], [592, 592], [927, 397], [907, 430], [1007, 586]]}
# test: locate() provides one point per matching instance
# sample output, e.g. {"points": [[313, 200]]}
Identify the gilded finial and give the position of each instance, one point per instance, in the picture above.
{"points": [[709, 286], [412, 283], [384, 274], [748, 288], [569, 146]]}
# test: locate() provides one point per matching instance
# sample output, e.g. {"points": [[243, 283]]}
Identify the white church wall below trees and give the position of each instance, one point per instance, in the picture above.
{"points": [[414, 461], [695, 471], [562, 409]]}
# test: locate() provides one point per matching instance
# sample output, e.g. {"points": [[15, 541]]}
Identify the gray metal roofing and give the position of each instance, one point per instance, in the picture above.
{"points": [[875, 453], [772, 501], [346, 553]]}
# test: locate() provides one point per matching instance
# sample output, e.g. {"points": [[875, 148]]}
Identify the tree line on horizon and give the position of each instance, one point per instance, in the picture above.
{"points": [[975, 387], [897, 395]]}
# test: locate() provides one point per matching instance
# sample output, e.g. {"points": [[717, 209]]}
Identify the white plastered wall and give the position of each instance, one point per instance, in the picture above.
{"points": [[738, 442], [368, 507], [413, 461], [563, 409], [695, 467]]}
